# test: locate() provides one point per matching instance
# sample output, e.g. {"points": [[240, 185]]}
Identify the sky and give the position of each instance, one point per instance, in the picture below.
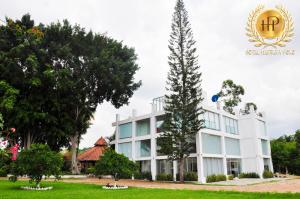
{"points": [[272, 82]]}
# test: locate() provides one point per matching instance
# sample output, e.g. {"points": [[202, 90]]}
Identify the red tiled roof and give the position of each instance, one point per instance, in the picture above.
{"points": [[101, 142], [95, 152]]}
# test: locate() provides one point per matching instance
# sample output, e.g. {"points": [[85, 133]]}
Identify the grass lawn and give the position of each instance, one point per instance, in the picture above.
{"points": [[10, 190]]}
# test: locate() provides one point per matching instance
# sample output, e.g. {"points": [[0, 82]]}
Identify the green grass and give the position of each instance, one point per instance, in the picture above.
{"points": [[10, 190]]}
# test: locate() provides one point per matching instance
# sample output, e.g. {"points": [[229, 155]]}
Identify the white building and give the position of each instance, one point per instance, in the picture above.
{"points": [[230, 144]]}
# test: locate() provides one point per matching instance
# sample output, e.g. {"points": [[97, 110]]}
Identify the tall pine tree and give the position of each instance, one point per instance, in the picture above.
{"points": [[183, 98]]}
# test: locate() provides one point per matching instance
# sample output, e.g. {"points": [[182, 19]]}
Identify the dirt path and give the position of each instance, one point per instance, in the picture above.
{"points": [[289, 185]]}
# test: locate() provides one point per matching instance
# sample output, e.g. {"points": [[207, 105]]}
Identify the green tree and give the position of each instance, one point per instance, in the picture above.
{"points": [[112, 163], [182, 103], [89, 69], [247, 107], [230, 93], [36, 162]]}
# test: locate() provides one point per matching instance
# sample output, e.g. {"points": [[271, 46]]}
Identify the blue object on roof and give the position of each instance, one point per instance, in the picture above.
{"points": [[214, 98]]}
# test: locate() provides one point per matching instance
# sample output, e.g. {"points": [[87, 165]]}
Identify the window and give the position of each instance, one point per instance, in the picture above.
{"points": [[125, 148], [158, 147], [267, 164], [262, 128], [143, 127], [233, 167], [143, 148], [232, 146], [264, 146], [211, 120], [159, 123], [212, 166], [190, 165], [231, 125], [211, 144], [144, 165], [164, 166], [125, 130]]}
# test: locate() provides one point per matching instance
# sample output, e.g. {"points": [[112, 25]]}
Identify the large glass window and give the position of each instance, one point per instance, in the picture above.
{"points": [[231, 125], [164, 166], [267, 164], [143, 148], [212, 120], [212, 166], [125, 148], [233, 167], [125, 130], [159, 123], [143, 127], [211, 144], [262, 128], [264, 146], [190, 165], [144, 165], [232, 146]]}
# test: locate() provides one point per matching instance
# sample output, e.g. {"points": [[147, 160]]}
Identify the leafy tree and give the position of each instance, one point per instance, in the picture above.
{"points": [[38, 161], [247, 107], [21, 67], [89, 69], [182, 103], [231, 92], [4, 163], [112, 163]]}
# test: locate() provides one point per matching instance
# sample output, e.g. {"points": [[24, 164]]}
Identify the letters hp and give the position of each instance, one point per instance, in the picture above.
{"points": [[271, 21]]}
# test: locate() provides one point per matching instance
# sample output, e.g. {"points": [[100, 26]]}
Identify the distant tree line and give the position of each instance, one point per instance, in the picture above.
{"points": [[286, 153]]}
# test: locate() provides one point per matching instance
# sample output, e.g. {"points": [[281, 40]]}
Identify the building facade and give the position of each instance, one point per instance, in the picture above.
{"points": [[229, 144]]}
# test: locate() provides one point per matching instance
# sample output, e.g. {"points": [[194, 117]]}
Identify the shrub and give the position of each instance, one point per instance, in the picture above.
{"points": [[4, 163], [249, 175], [3, 172], [91, 170], [112, 163], [221, 177], [268, 174], [164, 177], [215, 178], [191, 176], [143, 175], [36, 162], [211, 178], [230, 177]]}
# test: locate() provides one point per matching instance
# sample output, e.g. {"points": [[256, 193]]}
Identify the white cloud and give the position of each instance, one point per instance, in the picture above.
{"points": [[219, 29]]}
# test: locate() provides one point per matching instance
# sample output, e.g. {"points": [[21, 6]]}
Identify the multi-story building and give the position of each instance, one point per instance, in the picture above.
{"points": [[229, 144]]}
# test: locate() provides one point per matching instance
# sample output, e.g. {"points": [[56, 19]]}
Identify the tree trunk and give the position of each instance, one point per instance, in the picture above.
{"points": [[74, 146], [181, 170], [28, 141]]}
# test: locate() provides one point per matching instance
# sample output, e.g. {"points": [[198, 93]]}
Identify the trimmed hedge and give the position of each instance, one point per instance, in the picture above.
{"points": [[189, 176], [164, 177], [230, 177], [268, 174], [216, 178], [249, 175], [143, 176]]}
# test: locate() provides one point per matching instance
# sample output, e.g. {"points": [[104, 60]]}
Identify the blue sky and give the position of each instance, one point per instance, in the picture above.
{"points": [[272, 82]]}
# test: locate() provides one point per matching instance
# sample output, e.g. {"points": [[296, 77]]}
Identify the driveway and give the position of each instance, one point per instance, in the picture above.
{"points": [[277, 185]]}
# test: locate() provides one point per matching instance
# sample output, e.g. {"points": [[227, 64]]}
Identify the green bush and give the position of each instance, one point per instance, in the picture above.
{"points": [[191, 176], [36, 162], [211, 178], [221, 177], [249, 175], [268, 174], [215, 178], [143, 175], [3, 172], [90, 170], [112, 163], [4, 163], [164, 177], [230, 177]]}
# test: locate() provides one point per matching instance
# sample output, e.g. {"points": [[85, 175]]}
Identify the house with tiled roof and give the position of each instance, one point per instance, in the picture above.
{"points": [[89, 157]]}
